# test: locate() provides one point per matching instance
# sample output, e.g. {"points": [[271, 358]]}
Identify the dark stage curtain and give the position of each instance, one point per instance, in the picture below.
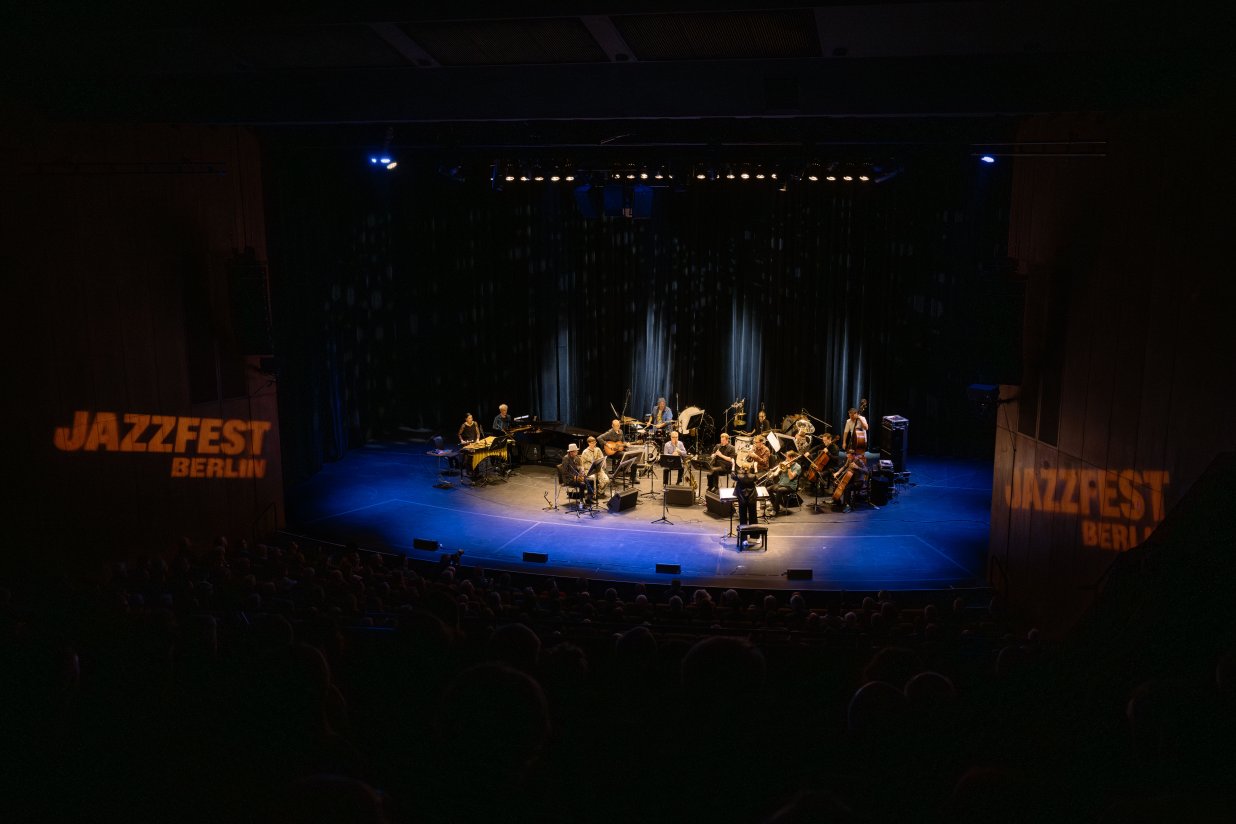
{"points": [[416, 299]]}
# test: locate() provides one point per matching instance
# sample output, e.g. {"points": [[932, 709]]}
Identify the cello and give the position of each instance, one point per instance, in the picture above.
{"points": [[846, 474]]}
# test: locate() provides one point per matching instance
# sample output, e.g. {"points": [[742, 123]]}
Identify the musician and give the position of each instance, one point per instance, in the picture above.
{"points": [[746, 494], [762, 424], [856, 463], [830, 446], [662, 416], [614, 436], [503, 422], [760, 453], [787, 480], [723, 460], [469, 430], [854, 423], [569, 473], [593, 455], [802, 444], [673, 448]]}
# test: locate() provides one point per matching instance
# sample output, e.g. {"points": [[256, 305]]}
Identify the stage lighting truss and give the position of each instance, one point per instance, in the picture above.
{"points": [[781, 176]]}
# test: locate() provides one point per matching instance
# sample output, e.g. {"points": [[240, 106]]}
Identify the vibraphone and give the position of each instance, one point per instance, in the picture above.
{"points": [[484, 448]]}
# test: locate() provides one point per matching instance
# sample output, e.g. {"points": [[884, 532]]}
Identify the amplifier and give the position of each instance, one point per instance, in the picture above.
{"points": [[895, 442], [624, 499], [679, 496]]}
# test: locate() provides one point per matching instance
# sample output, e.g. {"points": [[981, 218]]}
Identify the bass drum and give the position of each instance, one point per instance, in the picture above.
{"points": [[742, 442]]}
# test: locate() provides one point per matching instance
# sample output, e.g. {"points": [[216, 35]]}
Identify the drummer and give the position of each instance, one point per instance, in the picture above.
{"points": [[762, 424], [662, 417]]}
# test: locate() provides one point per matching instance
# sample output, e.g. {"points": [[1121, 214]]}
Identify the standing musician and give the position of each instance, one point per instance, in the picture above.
{"points": [[787, 480], [674, 448], [503, 422], [469, 430], [852, 474], [593, 455], [746, 493], [614, 444], [662, 416], [854, 424], [723, 459]]}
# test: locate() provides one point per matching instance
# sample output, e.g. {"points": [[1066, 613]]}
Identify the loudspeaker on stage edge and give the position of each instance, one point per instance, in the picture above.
{"points": [[716, 506], [624, 499], [679, 496]]}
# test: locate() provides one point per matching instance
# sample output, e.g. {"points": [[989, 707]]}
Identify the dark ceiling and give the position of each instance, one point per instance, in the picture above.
{"points": [[562, 74]]}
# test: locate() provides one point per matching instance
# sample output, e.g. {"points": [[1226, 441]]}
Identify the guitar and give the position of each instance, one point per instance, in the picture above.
{"points": [[613, 447]]}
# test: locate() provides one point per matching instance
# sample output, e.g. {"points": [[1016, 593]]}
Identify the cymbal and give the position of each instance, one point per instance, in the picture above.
{"points": [[628, 419]]}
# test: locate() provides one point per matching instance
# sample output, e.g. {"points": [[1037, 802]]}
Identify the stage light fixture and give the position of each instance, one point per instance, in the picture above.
{"points": [[847, 178], [538, 178], [863, 178], [745, 175], [643, 175], [831, 178], [773, 175], [987, 159], [700, 176], [392, 164], [813, 177], [523, 178], [759, 175], [509, 178], [729, 175], [569, 177]]}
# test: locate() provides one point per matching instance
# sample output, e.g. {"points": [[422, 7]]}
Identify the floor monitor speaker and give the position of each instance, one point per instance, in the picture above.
{"points": [[679, 495], [624, 499]]}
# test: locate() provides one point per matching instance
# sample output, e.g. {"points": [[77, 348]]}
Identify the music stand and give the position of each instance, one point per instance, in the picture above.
{"points": [[675, 460], [625, 465], [729, 495], [652, 472], [592, 474]]}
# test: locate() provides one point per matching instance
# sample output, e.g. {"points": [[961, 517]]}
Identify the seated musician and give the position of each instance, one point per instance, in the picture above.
{"points": [[662, 417], [723, 458], [787, 480], [760, 453], [674, 449], [802, 444], [856, 468], [569, 473], [614, 443], [590, 457], [762, 424], [834, 462]]}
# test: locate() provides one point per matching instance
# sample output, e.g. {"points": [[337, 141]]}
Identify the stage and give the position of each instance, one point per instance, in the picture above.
{"points": [[933, 533]]}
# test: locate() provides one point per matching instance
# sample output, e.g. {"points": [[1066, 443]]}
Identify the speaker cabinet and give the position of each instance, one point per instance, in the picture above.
{"points": [[895, 441], [880, 489], [679, 496], [718, 505], [623, 500]]}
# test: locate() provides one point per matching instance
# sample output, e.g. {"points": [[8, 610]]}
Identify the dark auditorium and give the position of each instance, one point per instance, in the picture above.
{"points": [[554, 412]]}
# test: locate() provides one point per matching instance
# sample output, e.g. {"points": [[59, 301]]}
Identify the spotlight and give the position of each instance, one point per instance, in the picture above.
{"points": [[745, 175], [813, 177], [569, 177], [642, 175], [847, 178], [987, 159], [539, 178], [729, 175], [863, 178], [660, 175], [617, 176], [392, 164], [523, 178], [773, 175], [509, 178], [384, 160], [759, 175], [700, 176], [555, 178], [831, 178], [630, 175]]}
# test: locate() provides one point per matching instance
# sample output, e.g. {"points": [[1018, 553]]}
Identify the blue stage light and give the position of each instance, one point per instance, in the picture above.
{"points": [[987, 159]]}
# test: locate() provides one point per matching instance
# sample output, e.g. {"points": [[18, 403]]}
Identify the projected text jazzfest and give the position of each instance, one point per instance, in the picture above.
{"points": [[199, 447], [1117, 510]]}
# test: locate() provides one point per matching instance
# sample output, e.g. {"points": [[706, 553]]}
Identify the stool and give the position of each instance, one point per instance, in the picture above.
{"points": [[748, 531]]}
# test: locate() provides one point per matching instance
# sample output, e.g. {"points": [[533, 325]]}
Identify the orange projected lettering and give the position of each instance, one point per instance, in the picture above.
{"points": [[1118, 510], [179, 436]]}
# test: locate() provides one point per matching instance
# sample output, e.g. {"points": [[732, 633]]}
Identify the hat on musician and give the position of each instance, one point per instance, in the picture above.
{"points": [[573, 448]]}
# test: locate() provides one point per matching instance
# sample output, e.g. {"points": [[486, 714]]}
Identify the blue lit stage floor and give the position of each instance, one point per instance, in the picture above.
{"points": [[932, 535]]}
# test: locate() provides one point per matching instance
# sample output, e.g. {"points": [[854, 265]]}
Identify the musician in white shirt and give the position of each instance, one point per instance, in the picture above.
{"points": [[853, 425]]}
